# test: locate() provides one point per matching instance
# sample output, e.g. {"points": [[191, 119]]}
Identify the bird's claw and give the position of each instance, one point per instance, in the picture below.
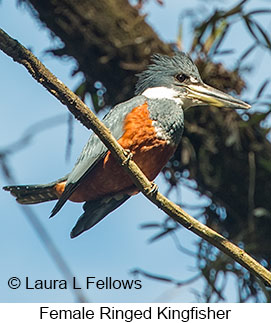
{"points": [[154, 189], [128, 155]]}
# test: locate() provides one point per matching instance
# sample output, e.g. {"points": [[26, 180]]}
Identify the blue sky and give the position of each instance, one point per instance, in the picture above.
{"points": [[115, 246]]}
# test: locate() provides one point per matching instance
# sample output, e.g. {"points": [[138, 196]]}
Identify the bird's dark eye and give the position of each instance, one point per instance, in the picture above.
{"points": [[181, 77]]}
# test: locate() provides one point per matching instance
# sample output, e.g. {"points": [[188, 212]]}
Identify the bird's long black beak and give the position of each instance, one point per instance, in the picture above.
{"points": [[208, 95]]}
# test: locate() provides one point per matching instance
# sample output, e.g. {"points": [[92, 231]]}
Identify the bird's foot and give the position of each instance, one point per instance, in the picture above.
{"points": [[153, 189], [128, 155]]}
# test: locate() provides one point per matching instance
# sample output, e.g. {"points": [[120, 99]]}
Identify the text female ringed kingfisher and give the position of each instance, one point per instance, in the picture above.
{"points": [[149, 125]]}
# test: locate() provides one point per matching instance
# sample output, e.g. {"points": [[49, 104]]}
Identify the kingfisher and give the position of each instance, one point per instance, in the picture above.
{"points": [[149, 126]]}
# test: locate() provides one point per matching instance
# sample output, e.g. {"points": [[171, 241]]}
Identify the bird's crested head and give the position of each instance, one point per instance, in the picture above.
{"points": [[178, 78]]}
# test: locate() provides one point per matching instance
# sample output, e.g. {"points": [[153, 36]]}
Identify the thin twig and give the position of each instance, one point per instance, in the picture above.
{"points": [[23, 56], [251, 191]]}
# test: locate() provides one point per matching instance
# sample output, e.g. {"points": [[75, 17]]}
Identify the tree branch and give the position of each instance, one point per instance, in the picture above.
{"points": [[23, 56]]}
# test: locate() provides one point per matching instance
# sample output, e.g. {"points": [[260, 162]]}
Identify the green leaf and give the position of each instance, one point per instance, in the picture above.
{"points": [[81, 90]]}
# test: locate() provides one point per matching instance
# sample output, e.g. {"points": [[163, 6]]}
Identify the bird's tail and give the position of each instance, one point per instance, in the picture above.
{"points": [[32, 194], [96, 210]]}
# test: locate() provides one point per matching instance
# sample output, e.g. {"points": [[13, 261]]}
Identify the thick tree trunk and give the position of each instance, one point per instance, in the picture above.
{"points": [[108, 38]]}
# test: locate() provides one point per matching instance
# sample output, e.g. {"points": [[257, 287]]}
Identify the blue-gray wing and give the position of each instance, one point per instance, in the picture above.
{"points": [[95, 150]]}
